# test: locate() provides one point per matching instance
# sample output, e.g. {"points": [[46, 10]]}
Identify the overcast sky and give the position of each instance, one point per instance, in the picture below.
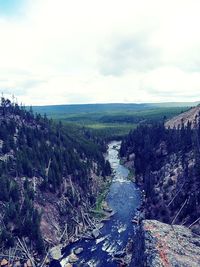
{"points": [[97, 51]]}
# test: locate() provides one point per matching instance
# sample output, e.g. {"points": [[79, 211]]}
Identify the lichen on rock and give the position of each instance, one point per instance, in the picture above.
{"points": [[162, 245]]}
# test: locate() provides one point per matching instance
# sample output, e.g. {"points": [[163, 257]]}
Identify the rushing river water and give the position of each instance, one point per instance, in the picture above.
{"points": [[124, 198]]}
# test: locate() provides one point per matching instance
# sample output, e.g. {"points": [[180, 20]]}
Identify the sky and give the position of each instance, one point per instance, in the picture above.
{"points": [[100, 51]]}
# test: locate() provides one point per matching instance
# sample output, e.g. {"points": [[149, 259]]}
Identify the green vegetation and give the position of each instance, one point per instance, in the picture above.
{"points": [[159, 152], [39, 156], [101, 197], [110, 131], [62, 110], [110, 121], [104, 190], [97, 211], [45, 157]]}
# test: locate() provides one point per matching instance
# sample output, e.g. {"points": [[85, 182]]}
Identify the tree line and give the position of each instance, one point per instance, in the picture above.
{"points": [[167, 165], [33, 146]]}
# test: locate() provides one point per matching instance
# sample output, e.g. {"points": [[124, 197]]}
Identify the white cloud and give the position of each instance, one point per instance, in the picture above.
{"points": [[63, 51]]}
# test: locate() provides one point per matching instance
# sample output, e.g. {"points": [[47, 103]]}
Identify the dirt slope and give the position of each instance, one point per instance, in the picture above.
{"points": [[190, 115]]}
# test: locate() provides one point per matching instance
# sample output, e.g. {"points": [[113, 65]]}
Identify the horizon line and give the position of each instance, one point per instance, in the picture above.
{"points": [[117, 103]]}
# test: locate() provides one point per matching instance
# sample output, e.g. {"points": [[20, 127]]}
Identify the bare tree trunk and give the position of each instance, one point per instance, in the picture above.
{"points": [[176, 195], [185, 202], [24, 249], [47, 169], [194, 222]]}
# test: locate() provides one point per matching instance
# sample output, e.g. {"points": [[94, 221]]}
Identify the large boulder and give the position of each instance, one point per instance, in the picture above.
{"points": [[159, 245], [55, 252], [72, 258]]}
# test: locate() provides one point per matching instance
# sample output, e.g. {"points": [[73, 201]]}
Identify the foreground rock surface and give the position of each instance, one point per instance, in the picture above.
{"points": [[161, 245]]}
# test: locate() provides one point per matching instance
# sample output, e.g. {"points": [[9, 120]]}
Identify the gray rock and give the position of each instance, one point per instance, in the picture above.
{"points": [[105, 207], [95, 233], [158, 244], [55, 252], [78, 251], [72, 258]]}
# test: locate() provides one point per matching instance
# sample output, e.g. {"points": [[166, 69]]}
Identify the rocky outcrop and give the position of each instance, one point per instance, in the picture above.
{"points": [[161, 245], [190, 115]]}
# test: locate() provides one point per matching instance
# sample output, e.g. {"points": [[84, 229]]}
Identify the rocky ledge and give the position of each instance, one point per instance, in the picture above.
{"points": [[161, 245]]}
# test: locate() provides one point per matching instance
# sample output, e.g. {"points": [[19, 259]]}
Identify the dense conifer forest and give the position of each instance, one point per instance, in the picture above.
{"points": [[38, 156], [167, 165], [53, 175]]}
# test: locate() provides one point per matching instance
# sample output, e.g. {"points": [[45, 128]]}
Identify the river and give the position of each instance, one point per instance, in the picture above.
{"points": [[124, 198]]}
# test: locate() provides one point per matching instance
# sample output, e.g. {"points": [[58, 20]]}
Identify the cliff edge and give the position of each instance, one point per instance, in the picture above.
{"points": [[161, 245]]}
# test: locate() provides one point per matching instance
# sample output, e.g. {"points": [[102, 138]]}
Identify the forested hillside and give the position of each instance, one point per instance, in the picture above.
{"points": [[112, 121], [167, 165], [50, 176]]}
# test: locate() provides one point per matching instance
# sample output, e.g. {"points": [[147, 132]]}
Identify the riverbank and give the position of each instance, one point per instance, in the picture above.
{"points": [[106, 238], [111, 243], [23, 255]]}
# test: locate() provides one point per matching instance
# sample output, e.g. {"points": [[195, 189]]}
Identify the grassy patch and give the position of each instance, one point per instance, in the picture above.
{"points": [[131, 175], [97, 211], [112, 130], [109, 121]]}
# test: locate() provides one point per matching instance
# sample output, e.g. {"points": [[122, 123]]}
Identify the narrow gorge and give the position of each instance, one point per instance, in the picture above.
{"points": [[113, 245]]}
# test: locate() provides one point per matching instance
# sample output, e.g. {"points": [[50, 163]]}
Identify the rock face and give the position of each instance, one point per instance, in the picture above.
{"points": [[161, 245], [191, 116]]}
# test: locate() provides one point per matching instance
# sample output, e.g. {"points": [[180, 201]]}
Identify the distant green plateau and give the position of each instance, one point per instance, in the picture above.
{"points": [[113, 120]]}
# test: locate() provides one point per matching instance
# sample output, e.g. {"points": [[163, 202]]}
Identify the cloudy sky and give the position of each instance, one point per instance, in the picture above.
{"points": [[97, 51]]}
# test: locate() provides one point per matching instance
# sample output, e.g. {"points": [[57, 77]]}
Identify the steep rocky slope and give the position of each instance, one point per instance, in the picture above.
{"points": [[166, 163], [191, 115], [50, 176], [161, 245]]}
